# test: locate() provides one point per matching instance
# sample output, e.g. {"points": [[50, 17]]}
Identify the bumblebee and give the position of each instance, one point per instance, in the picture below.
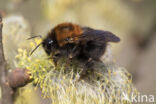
{"points": [[84, 44]]}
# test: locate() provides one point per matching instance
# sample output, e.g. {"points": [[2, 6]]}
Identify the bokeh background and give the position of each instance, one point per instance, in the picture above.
{"points": [[134, 21]]}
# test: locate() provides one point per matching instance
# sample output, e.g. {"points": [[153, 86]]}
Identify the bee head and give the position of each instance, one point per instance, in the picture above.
{"points": [[48, 45]]}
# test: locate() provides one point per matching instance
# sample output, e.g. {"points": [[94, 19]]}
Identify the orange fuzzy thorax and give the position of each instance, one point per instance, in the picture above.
{"points": [[67, 30]]}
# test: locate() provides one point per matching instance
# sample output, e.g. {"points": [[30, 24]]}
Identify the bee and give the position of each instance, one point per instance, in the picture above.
{"points": [[82, 43]]}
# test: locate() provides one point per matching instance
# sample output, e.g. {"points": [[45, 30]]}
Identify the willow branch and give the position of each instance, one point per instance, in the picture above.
{"points": [[7, 92], [10, 81]]}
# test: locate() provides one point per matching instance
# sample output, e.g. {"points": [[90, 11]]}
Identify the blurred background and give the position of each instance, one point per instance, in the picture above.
{"points": [[134, 21]]}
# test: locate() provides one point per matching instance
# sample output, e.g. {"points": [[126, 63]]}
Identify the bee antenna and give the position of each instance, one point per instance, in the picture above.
{"points": [[35, 49], [35, 37]]}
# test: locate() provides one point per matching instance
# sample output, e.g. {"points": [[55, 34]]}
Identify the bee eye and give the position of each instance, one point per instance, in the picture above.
{"points": [[50, 41], [67, 39]]}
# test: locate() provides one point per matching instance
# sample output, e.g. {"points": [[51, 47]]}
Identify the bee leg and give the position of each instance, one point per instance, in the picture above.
{"points": [[68, 62], [55, 58], [73, 52], [69, 58], [55, 61], [88, 65]]}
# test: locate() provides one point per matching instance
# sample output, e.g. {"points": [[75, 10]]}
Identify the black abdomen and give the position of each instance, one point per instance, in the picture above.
{"points": [[92, 49]]}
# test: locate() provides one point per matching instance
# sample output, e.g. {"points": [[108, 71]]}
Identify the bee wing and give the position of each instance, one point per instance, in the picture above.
{"points": [[98, 35]]}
